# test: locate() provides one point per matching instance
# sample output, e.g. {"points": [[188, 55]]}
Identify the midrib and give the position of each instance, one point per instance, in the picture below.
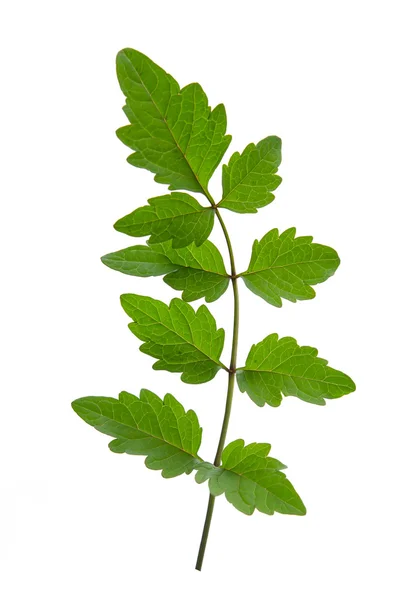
{"points": [[121, 437], [163, 118]]}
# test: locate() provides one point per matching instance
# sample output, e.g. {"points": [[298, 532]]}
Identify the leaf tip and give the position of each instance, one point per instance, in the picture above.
{"points": [[353, 386], [105, 259], [302, 511]]}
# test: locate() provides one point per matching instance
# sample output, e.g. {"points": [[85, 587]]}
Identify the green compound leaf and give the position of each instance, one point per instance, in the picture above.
{"points": [[250, 479], [183, 340], [177, 217], [173, 131], [279, 367], [198, 271], [250, 178], [159, 429], [283, 266]]}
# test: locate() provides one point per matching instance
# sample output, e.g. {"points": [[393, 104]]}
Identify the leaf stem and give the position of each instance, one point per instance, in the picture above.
{"points": [[206, 529], [230, 389]]}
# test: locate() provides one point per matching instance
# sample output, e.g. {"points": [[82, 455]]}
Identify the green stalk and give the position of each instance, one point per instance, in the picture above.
{"points": [[230, 388]]}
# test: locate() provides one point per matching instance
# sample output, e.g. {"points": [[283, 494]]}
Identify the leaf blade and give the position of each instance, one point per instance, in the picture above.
{"points": [[285, 266], [250, 177], [197, 271], [250, 480], [200, 272], [140, 261], [182, 340], [276, 368], [161, 430], [173, 131], [177, 217]]}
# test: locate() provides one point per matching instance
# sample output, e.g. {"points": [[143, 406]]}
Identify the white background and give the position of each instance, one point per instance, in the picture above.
{"points": [[80, 522]]}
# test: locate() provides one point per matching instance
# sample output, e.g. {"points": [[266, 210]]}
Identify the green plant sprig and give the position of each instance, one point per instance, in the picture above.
{"points": [[174, 134]]}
